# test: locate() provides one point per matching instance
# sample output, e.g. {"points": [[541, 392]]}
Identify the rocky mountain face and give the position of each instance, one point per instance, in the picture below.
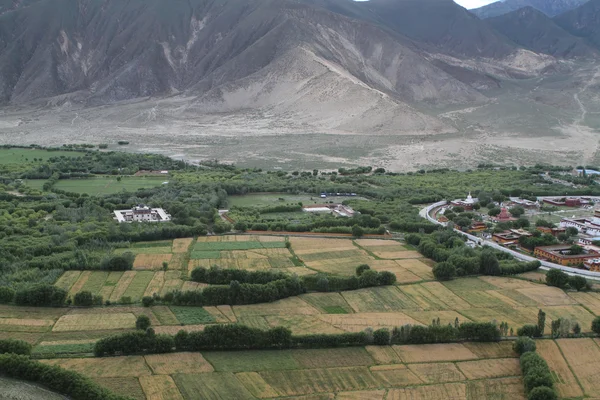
{"points": [[583, 22], [310, 59], [535, 31], [551, 8]]}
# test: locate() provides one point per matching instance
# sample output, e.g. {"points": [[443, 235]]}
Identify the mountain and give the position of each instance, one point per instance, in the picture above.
{"points": [[228, 56], [549, 7], [583, 22], [535, 31], [442, 24]]}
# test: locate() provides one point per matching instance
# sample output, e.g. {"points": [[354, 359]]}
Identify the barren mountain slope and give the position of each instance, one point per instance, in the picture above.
{"points": [[583, 22], [533, 30], [549, 7]]}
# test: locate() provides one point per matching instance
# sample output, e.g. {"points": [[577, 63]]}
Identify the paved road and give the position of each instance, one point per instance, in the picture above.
{"points": [[426, 213]]}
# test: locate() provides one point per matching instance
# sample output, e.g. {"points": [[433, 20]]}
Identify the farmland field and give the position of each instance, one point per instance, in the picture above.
{"points": [[21, 156], [273, 199], [107, 185], [344, 373]]}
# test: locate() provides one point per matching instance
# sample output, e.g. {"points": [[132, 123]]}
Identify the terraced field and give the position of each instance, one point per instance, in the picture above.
{"points": [[411, 372]]}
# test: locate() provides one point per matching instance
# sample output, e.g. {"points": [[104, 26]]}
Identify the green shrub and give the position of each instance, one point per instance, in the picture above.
{"points": [[83, 299], [523, 345], [596, 325], [142, 322], [147, 301], [542, 393], [444, 271], [529, 331], [381, 337], [7, 295], [557, 278], [362, 268], [15, 346], [577, 282], [41, 295]]}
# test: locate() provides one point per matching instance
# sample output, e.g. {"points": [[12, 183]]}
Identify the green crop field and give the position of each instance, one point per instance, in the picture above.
{"points": [[273, 199], [107, 185], [192, 315], [20, 156]]}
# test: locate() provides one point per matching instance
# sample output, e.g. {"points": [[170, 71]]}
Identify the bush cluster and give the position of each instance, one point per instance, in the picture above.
{"points": [[523, 345], [15, 346], [560, 279], [41, 295], [240, 337], [455, 259], [220, 276], [69, 383], [537, 377], [250, 287]]}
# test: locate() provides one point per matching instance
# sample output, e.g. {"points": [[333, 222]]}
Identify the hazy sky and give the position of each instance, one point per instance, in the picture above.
{"points": [[474, 3]]}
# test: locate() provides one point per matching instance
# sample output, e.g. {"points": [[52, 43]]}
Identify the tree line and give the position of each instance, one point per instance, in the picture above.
{"points": [[239, 337]]}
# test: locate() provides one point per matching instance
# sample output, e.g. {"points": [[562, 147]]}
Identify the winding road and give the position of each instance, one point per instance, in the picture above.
{"points": [[426, 213]]}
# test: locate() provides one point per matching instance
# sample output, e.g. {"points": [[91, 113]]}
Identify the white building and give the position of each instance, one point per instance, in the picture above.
{"points": [[142, 213], [588, 226]]}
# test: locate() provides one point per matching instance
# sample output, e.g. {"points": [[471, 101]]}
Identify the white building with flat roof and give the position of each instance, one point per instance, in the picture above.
{"points": [[142, 213]]}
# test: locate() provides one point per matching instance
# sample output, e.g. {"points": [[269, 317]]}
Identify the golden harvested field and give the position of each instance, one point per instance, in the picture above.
{"points": [[583, 356], [182, 245], [360, 321], [160, 387], [454, 391], [289, 306], [79, 283], [437, 372], [395, 375], [67, 280], [434, 352], [300, 324], [347, 373], [547, 296], [180, 363], [84, 322], [591, 300], [111, 367], [565, 381], [361, 395], [122, 285], [490, 368], [151, 261]]}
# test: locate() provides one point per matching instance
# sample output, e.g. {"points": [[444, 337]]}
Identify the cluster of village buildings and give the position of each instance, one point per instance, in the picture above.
{"points": [[588, 228]]}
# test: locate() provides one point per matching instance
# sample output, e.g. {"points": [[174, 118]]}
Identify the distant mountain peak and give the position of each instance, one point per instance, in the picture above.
{"points": [[551, 8]]}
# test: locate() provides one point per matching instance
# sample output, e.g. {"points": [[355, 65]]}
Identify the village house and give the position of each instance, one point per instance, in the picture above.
{"points": [[561, 254], [142, 213]]}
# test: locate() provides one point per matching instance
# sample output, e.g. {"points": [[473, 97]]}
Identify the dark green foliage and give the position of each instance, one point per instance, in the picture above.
{"points": [[529, 331], [479, 332], [83, 299], [148, 301], [15, 346], [142, 322], [596, 325], [69, 383], [444, 271], [541, 325], [41, 295], [542, 393], [381, 337], [219, 276], [362, 268], [523, 345], [7, 295], [357, 231], [535, 372], [557, 278], [577, 282], [123, 262], [489, 263]]}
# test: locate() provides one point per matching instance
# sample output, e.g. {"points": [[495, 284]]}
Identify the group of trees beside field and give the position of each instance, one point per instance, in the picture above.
{"points": [[240, 337], [537, 378], [454, 258], [237, 287]]}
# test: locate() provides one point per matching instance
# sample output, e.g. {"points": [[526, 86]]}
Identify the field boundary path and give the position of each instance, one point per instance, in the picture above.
{"points": [[426, 213]]}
